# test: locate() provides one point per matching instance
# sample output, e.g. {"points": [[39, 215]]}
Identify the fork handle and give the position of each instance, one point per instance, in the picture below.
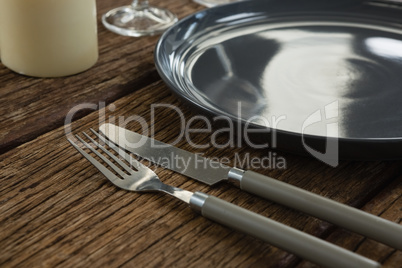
{"points": [[306, 246]]}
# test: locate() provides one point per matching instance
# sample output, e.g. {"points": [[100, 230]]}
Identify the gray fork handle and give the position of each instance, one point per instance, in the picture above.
{"points": [[356, 220], [277, 234]]}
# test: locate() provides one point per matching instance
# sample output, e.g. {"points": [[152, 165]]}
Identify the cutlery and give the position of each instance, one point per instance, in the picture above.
{"points": [[143, 179], [211, 172]]}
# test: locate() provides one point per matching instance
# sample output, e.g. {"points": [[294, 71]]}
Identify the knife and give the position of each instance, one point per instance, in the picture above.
{"points": [[210, 172]]}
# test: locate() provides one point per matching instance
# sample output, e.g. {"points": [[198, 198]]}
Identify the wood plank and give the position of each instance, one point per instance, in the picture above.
{"points": [[58, 210], [33, 106]]}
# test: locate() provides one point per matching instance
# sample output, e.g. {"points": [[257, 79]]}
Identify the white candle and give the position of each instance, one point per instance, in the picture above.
{"points": [[48, 38], [0, 29]]}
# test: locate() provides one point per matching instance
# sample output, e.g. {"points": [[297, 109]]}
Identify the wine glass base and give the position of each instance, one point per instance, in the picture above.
{"points": [[212, 3], [130, 21]]}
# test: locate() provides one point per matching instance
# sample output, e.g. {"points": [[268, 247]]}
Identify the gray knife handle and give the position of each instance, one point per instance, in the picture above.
{"points": [[356, 220], [277, 234]]}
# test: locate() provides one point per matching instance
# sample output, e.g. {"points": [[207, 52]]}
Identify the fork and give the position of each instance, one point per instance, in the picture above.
{"points": [[143, 179]]}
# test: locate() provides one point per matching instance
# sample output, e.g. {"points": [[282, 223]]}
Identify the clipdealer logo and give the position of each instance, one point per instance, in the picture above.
{"points": [[235, 137], [329, 115]]}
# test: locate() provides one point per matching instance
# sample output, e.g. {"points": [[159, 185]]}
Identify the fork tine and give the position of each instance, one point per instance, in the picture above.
{"points": [[107, 161], [121, 163], [136, 164], [106, 172]]}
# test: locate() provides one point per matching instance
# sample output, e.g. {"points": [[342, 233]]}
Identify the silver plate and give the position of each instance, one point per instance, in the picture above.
{"points": [[305, 72]]}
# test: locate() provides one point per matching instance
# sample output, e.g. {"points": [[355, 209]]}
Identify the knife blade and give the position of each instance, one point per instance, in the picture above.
{"points": [[210, 172], [191, 165]]}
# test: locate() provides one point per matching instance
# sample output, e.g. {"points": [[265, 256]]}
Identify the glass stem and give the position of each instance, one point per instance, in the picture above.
{"points": [[140, 4]]}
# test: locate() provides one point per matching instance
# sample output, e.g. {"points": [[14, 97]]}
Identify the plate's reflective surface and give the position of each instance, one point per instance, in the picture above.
{"points": [[302, 72]]}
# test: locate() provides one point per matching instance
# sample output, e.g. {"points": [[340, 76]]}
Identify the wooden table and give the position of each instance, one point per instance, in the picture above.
{"points": [[57, 209]]}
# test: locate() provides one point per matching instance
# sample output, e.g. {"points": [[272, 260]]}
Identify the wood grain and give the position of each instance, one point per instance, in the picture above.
{"points": [[59, 210], [33, 106]]}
